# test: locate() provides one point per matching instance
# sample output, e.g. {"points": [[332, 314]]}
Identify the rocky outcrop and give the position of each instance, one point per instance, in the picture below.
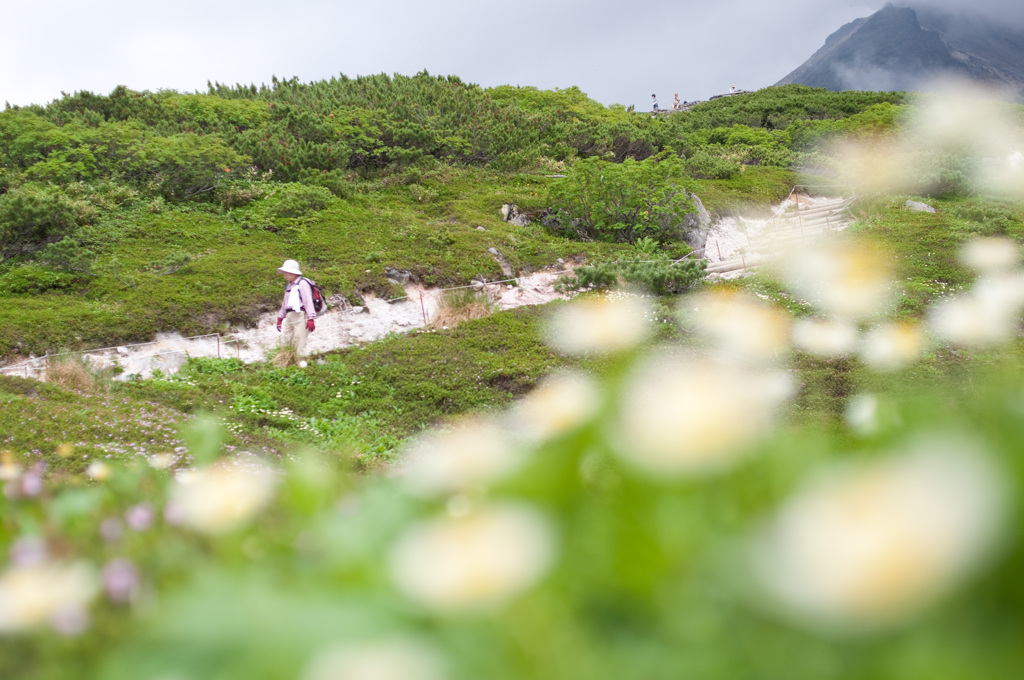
{"points": [[506, 268], [695, 225], [511, 214]]}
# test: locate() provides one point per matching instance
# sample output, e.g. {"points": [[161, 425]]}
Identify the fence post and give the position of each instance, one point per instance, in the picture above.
{"points": [[423, 309], [218, 345]]}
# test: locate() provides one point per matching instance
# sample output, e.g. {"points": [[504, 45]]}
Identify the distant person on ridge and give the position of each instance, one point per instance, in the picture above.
{"points": [[654, 99], [675, 103], [295, 319]]}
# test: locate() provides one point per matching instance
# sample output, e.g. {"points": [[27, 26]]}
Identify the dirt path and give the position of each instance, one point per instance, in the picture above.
{"points": [[338, 328]]}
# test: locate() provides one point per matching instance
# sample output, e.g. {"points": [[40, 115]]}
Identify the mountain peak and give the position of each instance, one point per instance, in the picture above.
{"points": [[900, 48]]}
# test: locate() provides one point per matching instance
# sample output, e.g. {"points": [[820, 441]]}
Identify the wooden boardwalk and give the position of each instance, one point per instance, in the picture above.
{"points": [[801, 221]]}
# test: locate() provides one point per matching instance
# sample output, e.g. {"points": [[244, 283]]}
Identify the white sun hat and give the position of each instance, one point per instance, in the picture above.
{"points": [[290, 267]]}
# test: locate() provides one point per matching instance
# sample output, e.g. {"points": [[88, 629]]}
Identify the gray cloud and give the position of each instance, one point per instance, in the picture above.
{"points": [[1003, 12], [616, 52]]}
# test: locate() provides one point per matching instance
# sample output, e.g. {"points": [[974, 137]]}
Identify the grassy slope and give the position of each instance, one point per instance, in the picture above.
{"points": [[429, 228], [365, 400]]}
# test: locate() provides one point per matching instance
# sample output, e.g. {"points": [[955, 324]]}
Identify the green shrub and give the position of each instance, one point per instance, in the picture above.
{"points": [[706, 164], [295, 200], [659, 276], [624, 201], [31, 279], [236, 194], [33, 216], [197, 366]]}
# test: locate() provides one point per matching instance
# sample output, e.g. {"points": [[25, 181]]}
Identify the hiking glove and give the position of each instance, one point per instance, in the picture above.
{"points": [[310, 326], [279, 320]]}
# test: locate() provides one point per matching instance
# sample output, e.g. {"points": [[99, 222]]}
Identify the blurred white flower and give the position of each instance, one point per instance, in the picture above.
{"points": [[10, 470], [98, 470], [991, 255], [477, 560], [47, 592], [846, 279], [825, 338], [219, 498], [681, 415], [892, 346], [986, 315], [862, 413], [473, 453], [560, 403], [599, 324], [975, 122], [394, 658], [873, 544], [741, 326], [161, 461]]}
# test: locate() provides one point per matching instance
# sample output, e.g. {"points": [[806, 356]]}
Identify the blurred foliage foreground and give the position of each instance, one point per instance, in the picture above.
{"points": [[654, 517]]}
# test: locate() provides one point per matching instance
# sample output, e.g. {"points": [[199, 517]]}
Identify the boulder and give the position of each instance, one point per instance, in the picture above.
{"points": [[511, 214], [694, 226], [917, 206], [399, 276]]}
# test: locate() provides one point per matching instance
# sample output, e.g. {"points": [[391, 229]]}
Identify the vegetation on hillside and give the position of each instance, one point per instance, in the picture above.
{"points": [[819, 461]]}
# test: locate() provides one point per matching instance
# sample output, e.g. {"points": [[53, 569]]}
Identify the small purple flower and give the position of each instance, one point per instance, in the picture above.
{"points": [[28, 551], [32, 482], [120, 580], [139, 517]]}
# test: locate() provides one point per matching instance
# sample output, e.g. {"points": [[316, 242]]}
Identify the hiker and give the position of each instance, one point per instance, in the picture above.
{"points": [[295, 320], [654, 99], [675, 103]]}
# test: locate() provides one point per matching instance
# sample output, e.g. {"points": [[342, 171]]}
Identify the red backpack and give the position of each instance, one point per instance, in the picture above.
{"points": [[319, 302]]}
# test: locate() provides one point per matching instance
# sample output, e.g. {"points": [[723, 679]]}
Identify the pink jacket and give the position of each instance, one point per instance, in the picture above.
{"points": [[305, 295]]}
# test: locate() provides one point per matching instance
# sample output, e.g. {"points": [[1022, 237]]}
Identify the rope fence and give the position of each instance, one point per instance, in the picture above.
{"points": [[41, 364]]}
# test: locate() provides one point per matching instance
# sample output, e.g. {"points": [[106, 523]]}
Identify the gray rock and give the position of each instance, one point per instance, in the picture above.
{"points": [[917, 206], [506, 268], [694, 226], [400, 276], [511, 214], [339, 302]]}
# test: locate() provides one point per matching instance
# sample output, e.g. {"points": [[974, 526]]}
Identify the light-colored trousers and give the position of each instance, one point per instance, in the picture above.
{"points": [[294, 333]]}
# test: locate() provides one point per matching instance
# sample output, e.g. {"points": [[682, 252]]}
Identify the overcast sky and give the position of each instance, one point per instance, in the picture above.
{"points": [[617, 51]]}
